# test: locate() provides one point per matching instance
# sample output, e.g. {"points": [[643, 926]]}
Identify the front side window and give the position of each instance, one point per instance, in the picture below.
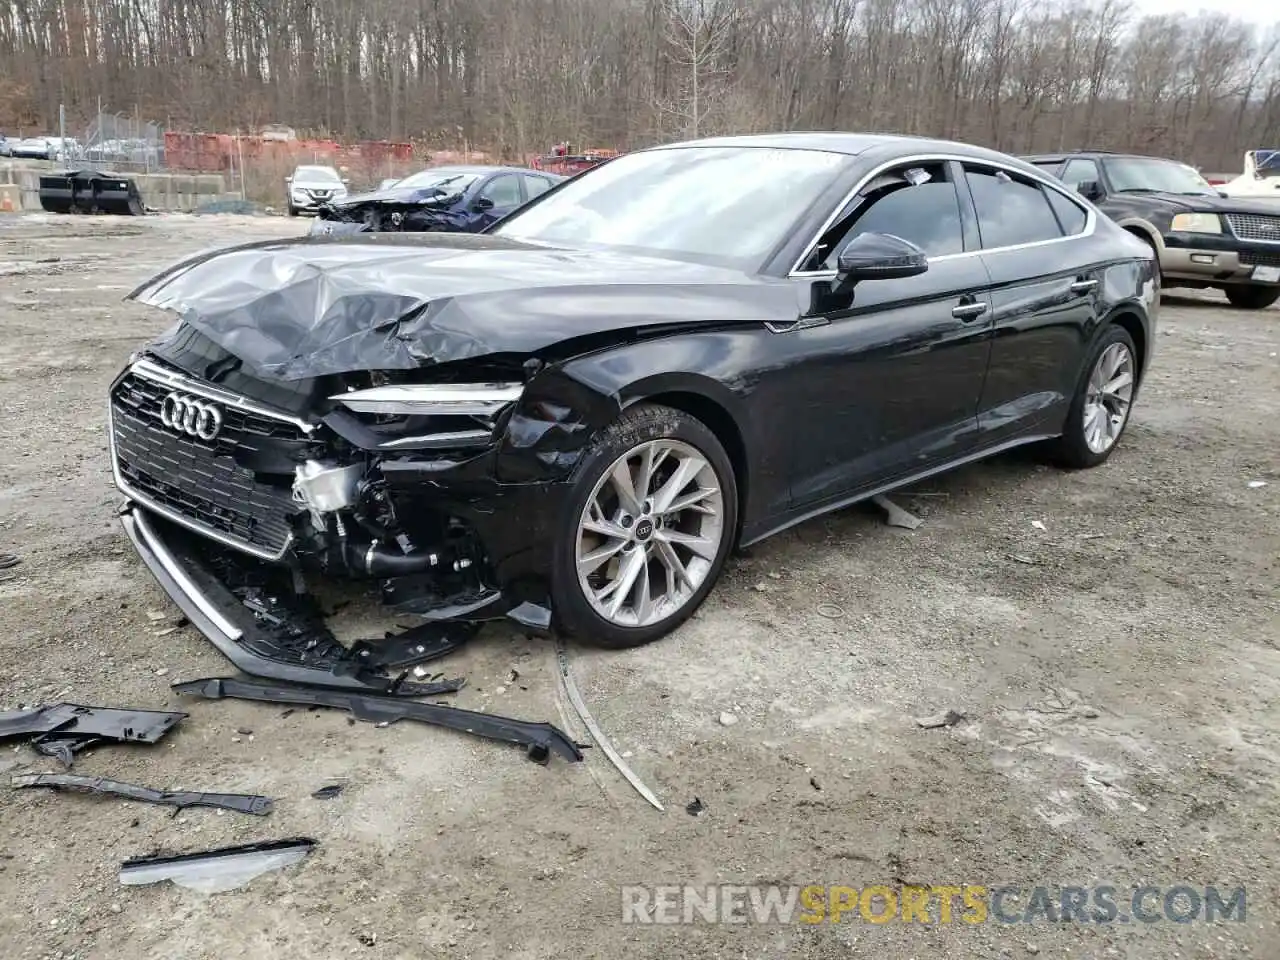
{"points": [[729, 205], [503, 190], [534, 186], [1011, 210], [1078, 172], [917, 204]]}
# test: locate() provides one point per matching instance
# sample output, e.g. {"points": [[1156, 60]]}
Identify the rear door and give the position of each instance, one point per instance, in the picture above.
{"points": [[1044, 296]]}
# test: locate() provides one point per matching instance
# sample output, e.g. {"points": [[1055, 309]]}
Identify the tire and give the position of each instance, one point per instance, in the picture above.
{"points": [[1073, 450], [679, 441], [293, 211], [1249, 297]]}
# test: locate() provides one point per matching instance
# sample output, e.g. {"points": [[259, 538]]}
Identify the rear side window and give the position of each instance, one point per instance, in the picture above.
{"points": [[1071, 215], [1011, 210]]}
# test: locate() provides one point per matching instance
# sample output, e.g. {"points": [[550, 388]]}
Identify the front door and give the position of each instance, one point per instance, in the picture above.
{"points": [[893, 376]]}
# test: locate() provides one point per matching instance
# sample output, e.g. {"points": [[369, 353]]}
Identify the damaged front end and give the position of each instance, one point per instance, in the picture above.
{"points": [[389, 489], [394, 214]]}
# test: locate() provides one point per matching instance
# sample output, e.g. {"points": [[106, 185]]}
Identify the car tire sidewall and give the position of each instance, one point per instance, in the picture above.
{"points": [[573, 614], [1252, 298], [1073, 449]]}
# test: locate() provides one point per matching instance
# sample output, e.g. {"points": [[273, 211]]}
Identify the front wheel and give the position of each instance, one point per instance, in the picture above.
{"points": [[650, 522], [1252, 297], [1100, 409]]}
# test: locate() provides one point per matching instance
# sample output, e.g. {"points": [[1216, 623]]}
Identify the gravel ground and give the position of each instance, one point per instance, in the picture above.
{"points": [[1110, 637]]}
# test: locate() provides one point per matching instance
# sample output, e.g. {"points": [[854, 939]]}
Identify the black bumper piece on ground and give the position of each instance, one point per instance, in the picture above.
{"points": [[231, 627], [540, 739]]}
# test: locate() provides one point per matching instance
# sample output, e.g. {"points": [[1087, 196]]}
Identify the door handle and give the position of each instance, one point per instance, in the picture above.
{"points": [[969, 311], [1083, 286]]}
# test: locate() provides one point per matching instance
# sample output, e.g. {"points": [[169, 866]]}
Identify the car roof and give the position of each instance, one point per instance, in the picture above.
{"points": [[1091, 155], [851, 144]]}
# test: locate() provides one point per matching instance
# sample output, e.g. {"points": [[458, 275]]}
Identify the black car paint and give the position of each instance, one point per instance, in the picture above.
{"points": [[818, 403], [1149, 214]]}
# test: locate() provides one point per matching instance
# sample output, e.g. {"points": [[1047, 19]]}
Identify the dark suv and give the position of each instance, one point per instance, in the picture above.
{"points": [[1202, 238]]}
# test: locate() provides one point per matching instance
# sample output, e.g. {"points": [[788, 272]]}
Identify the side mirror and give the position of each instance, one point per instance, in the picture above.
{"points": [[482, 203], [879, 256], [346, 179], [1090, 190]]}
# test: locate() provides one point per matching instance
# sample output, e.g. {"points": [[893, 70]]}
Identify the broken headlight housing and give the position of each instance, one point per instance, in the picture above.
{"points": [[445, 416]]}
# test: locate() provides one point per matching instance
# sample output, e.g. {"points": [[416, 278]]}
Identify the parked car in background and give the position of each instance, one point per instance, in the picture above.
{"points": [[310, 187], [6, 145], [1203, 239], [1260, 180], [61, 149], [463, 199], [573, 417]]}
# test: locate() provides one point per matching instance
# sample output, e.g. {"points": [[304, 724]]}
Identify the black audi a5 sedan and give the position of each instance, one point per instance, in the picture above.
{"points": [[573, 418]]}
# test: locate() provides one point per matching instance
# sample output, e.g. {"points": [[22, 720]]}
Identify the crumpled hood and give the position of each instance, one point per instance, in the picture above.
{"points": [[398, 195], [317, 306]]}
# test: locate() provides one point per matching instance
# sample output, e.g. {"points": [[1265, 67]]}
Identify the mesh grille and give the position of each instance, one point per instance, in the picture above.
{"points": [[1255, 226]]}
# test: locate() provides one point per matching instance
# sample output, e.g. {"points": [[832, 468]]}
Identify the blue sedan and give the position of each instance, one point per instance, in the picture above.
{"points": [[463, 199]]}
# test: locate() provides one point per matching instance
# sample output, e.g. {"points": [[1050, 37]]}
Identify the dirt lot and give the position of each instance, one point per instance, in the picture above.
{"points": [[1111, 636]]}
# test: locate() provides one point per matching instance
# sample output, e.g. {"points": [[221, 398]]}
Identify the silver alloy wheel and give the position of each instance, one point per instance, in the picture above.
{"points": [[650, 532], [1106, 406]]}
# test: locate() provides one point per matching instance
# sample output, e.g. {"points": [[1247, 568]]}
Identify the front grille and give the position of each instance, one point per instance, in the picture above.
{"points": [[1255, 226], [200, 481], [1260, 258]]}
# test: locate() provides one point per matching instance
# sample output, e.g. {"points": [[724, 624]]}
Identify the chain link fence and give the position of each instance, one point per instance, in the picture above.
{"points": [[123, 143]]}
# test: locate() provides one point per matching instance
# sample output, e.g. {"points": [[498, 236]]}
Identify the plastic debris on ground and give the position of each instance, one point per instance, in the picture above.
{"points": [[216, 871]]}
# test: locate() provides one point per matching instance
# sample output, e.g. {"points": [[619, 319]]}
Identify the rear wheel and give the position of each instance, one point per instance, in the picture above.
{"points": [[649, 525], [1100, 409], [1249, 297]]}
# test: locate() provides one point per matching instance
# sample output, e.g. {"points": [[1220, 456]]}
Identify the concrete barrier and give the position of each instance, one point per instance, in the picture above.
{"points": [[179, 192]]}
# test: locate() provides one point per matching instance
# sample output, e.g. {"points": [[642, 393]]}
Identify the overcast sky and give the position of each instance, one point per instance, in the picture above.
{"points": [[1262, 12]]}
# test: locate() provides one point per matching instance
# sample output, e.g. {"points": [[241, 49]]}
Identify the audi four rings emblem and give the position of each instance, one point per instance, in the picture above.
{"points": [[191, 416]]}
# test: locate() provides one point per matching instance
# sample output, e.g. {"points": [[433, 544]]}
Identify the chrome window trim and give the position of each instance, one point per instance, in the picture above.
{"points": [[177, 381], [1091, 217]]}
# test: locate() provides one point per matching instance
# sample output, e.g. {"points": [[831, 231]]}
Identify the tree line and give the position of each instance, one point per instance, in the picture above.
{"points": [[515, 76]]}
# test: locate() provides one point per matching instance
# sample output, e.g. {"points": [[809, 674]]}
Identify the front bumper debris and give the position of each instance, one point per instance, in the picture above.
{"points": [[215, 871], [259, 644], [65, 729], [239, 802], [540, 739]]}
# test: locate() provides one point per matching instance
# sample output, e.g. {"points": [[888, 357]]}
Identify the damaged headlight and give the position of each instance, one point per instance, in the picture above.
{"points": [[432, 416]]}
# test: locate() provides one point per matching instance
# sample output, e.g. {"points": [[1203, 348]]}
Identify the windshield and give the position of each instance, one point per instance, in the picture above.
{"points": [[450, 180], [317, 173], [1134, 173], [726, 205]]}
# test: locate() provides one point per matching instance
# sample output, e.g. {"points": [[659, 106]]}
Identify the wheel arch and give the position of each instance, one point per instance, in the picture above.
{"points": [[1127, 317], [713, 405]]}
